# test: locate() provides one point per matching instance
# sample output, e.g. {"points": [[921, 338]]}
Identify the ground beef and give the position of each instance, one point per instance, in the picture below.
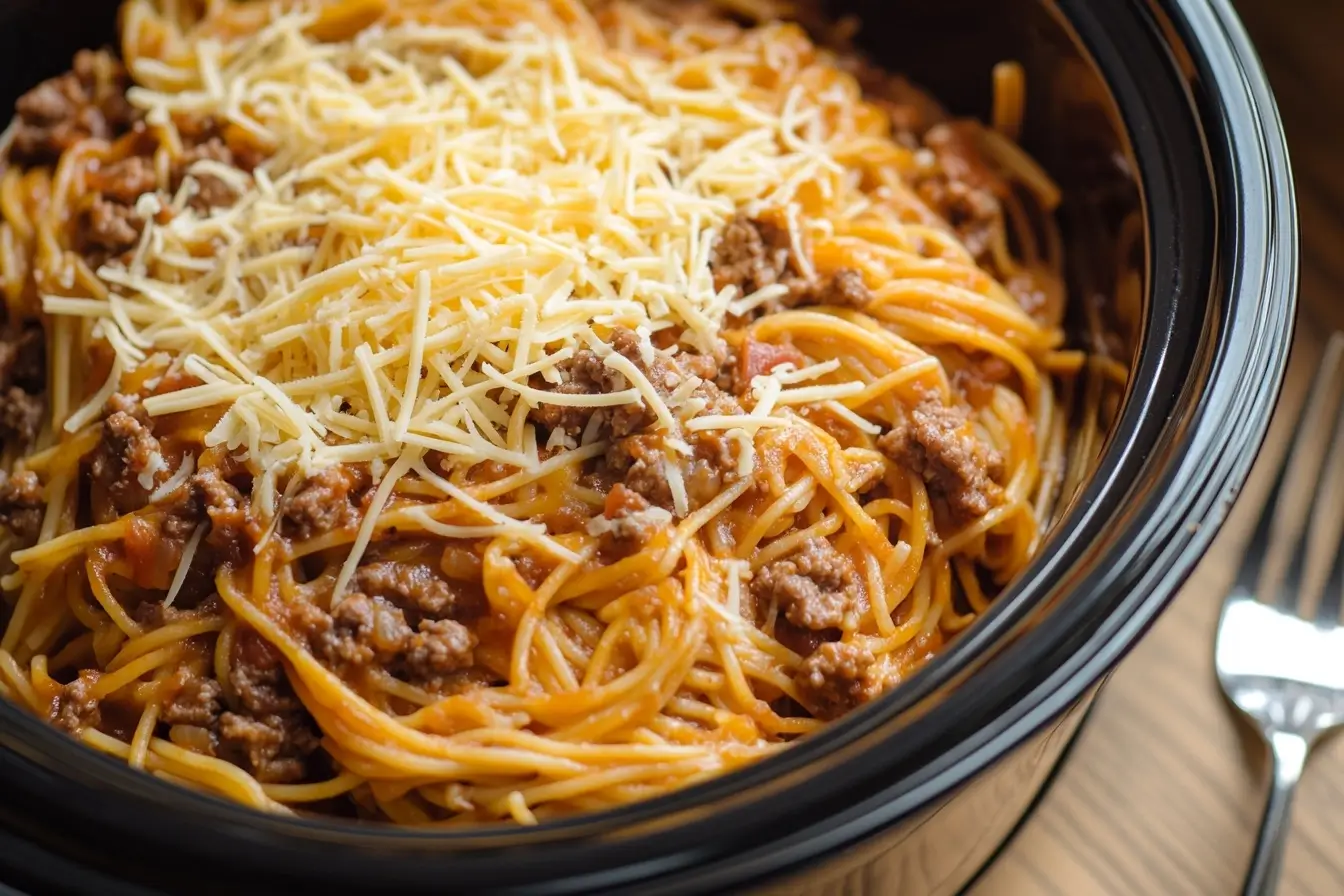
{"points": [[359, 631], [662, 373], [257, 675], [323, 503], [711, 468], [637, 458], [268, 732], [23, 379], [845, 289], [206, 137], [749, 255], [190, 699], [832, 680], [719, 367], [23, 358], [274, 748], [638, 463], [752, 254], [587, 374], [89, 101], [20, 415], [22, 505], [107, 229], [632, 526], [414, 587], [938, 444], [439, 648], [125, 181], [233, 530], [362, 631], [211, 192], [127, 451], [803, 641], [815, 588], [76, 708], [583, 374], [961, 188]]}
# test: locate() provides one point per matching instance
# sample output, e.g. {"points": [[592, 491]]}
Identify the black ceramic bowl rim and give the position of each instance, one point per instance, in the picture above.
{"points": [[1222, 263]]}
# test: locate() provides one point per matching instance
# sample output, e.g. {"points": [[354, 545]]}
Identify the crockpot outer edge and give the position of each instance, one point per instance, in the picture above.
{"points": [[59, 790]]}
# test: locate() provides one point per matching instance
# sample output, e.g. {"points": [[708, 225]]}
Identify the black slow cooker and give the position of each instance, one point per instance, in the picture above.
{"points": [[914, 793]]}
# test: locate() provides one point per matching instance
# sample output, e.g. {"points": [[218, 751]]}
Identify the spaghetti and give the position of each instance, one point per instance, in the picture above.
{"points": [[446, 411]]}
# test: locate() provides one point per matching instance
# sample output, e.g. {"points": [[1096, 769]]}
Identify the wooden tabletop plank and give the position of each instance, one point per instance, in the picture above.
{"points": [[1164, 789]]}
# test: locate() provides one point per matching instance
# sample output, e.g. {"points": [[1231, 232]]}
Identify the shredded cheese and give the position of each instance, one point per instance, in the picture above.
{"points": [[448, 212], [184, 566]]}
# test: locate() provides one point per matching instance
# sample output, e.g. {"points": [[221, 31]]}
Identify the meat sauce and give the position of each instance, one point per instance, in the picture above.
{"points": [[423, 619]]}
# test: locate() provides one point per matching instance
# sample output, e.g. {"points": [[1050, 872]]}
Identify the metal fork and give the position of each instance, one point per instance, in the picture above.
{"points": [[1280, 659]]}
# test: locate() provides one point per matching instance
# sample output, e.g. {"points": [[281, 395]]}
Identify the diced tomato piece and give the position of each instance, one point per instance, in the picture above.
{"points": [[759, 358], [153, 558]]}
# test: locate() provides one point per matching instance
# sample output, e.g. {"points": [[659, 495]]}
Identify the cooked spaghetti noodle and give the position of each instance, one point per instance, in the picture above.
{"points": [[446, 411]]}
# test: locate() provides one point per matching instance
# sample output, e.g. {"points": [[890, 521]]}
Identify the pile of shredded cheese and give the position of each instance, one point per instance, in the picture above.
{"points": [[448, 211]]}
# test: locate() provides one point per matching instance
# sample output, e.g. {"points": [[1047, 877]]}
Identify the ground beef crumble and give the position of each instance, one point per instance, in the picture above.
{"points": [[359, 631], [210, 191], [125, 181], [938, 444], [76, 708], [257, 675], [832, 680], [233, 530], [816, 587], [22, 505], [960, 187], [23, 380], [362, 630], [109, 224], [268, 732], [23, 358], [88, 101], [439, 648], [189, 698], [107, 229], [416, 588], [276, 749], [632, 526], [20, 415], [324, 503], [127, 456], [584, 374], [752, 254], [638, 455]]}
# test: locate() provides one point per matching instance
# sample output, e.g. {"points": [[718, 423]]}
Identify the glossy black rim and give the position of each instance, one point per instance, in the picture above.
{"points": [[1223, 259]]}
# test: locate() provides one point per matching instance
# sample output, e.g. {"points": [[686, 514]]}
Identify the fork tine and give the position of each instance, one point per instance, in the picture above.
{"points": [[1327, 609], [1291, 589], [1252, 567]]}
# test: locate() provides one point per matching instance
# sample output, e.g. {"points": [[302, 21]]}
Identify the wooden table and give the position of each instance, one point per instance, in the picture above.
{"points": [[1163, 791]]}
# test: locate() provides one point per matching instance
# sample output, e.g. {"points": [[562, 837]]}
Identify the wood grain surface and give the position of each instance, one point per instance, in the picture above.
{"points": [[1163, 791]]}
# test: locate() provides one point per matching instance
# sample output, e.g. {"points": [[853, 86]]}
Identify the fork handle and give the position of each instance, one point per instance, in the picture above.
{"points": [[1288, 754]]}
